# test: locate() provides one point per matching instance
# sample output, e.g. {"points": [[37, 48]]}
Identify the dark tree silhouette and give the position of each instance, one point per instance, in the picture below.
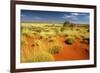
{"points": [[66, 23]]}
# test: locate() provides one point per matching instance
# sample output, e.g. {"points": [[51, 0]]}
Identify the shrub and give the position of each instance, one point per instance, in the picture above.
{"points": [[54, 49], [22, 42], [77, 36], [65, 35], [42, 57], [88, 30], [69, 40], [85, 40], [37, 56], [29, 35], [62, 29], [77, 29]]}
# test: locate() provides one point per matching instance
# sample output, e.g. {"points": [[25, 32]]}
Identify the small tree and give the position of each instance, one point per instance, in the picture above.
{"points": [[64, 25], [67, 23]]}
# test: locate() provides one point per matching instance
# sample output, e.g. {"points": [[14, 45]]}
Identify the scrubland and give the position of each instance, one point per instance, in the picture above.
{"points": [[44, 42]]}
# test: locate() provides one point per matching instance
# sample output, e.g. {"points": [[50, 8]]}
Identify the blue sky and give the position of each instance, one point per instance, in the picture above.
{"points": [[54, 17]]}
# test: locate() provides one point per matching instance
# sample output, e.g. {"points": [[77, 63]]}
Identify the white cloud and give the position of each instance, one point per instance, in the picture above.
{"points": [[71, 17], [75, 14], [66, 16]]}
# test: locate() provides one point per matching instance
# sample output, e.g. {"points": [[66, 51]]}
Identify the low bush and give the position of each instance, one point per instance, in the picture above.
{"points": [[37, 56], [54, 49], [42, 57], [69, 40], [85, 40]]}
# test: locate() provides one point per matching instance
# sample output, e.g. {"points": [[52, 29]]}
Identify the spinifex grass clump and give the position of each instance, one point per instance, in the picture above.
{"points": [[37, 56], [35, 53], [69, 40], [54, 49], [28, 35], [85, 39], [22, 42], [42, 57]]}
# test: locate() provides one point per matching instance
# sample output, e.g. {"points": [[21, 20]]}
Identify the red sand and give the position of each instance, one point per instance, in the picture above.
{"points": [[76, 51]]}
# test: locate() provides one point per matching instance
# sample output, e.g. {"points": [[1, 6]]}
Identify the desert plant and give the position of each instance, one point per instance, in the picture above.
{"points": [[69, 40], [54, 49], [37, 56], [22, 42], [66, 23], [42, 57], [26, 34], [88, 30], [85, 40]]}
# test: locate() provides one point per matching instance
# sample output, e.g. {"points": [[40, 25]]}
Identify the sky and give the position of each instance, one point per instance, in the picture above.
{"points": [[54, 16]]}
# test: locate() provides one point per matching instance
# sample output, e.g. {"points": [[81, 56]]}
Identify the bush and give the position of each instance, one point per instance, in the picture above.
{"points": [[85, 40], [88, 30], [62, 29], [69, 40], [37, 56], [29, 35], [42, 57], [54, 49], [22, 42]]}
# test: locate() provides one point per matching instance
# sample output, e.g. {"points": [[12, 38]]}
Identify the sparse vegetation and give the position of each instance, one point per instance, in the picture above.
{"points": [[38, 56], [42, 57], [54, 50], [69, 40], [42, 42]]}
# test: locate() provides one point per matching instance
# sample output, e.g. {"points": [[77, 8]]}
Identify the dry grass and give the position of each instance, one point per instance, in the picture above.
{"points": [[42, 42]]}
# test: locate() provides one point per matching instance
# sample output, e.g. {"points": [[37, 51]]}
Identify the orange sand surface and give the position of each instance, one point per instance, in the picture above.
{"points": [[76, 51]]}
